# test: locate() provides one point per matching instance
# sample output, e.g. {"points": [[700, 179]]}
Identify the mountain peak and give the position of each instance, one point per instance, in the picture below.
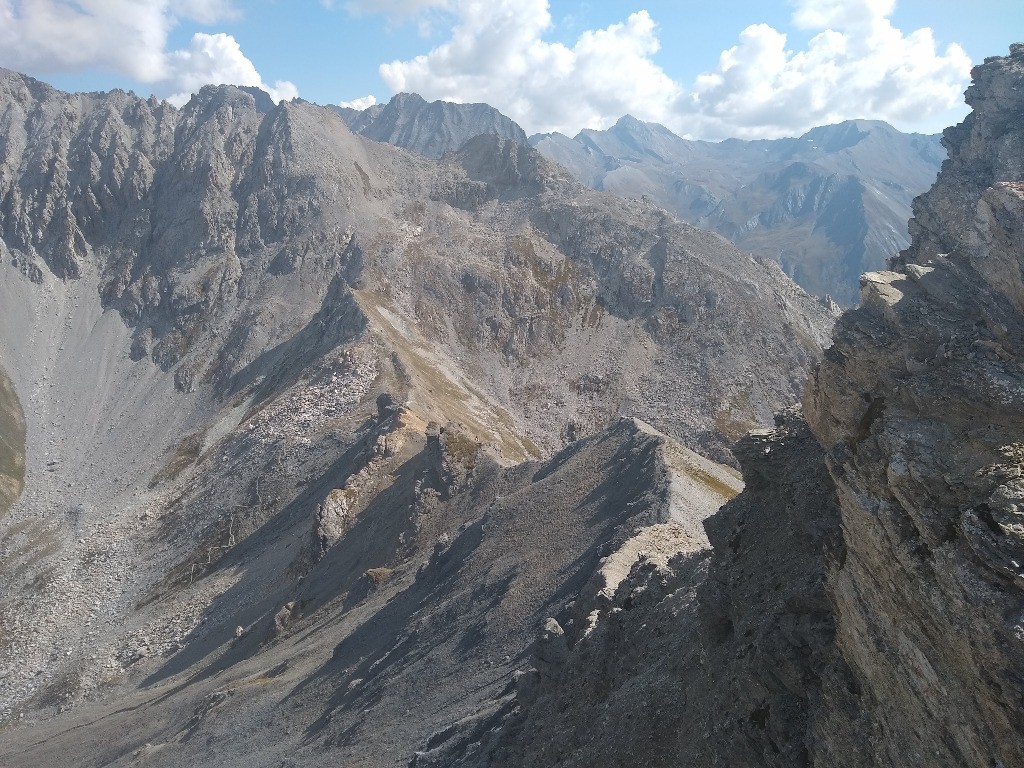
{"points": [[429, 128]]}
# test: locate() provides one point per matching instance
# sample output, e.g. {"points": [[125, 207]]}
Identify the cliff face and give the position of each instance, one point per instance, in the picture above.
{"points": [[862, 601], [920, 409]]}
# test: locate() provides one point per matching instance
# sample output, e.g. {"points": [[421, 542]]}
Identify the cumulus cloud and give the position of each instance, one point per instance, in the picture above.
{"points": [[360, 104], [129, 37], [217, 59], [497, 54], [857, 64]]}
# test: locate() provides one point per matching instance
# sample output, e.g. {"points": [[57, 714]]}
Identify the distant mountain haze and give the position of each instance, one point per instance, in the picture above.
{"points": [[827, 206]]}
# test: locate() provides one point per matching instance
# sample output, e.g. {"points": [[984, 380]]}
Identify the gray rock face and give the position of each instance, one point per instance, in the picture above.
{"points": [[429, 129], [919, 409], [827, 205]]}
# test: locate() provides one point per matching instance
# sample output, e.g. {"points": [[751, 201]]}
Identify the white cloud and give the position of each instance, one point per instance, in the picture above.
{"points": [[360, 104], [856, 65], [216, 59], [56, 36], [496, 54], [129, 37]]}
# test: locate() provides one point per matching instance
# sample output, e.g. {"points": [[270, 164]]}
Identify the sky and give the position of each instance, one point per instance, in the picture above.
{"points": [[711, 69]]}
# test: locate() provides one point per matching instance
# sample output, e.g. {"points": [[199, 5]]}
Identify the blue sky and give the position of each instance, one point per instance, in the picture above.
{"points": [[559, 65]]}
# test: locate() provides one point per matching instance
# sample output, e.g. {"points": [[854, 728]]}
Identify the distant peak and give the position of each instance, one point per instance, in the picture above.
{"points": [[833, 138], [407, 98]]}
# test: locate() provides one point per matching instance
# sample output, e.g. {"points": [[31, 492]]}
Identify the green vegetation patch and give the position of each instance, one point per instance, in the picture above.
{"points": [[12, 445]]}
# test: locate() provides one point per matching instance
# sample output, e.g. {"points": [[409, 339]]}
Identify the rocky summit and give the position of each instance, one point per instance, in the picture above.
{"points": [[320, 451], [429, 129]]}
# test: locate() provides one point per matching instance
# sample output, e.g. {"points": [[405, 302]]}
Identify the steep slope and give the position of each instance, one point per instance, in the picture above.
{"points": [[268, 365], [861, 602], [827, 205], [429, 129]]}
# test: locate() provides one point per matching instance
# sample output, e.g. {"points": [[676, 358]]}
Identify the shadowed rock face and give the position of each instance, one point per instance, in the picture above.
{"points": [[862, 602], [827, 205]]}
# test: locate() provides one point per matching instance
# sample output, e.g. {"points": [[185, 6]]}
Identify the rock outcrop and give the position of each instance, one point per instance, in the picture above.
{"points": [[919, 407]]}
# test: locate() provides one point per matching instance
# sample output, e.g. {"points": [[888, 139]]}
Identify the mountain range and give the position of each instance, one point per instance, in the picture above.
{"points": [[827, 205], [318, 450], [291, 395]]}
